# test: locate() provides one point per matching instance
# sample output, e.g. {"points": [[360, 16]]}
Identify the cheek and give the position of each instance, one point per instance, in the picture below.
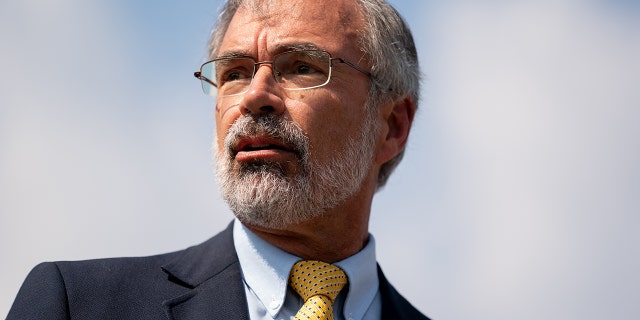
{"points": [[329, 123], [224, 120]]}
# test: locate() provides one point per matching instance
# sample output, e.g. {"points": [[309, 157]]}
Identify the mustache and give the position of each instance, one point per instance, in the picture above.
{"points": [[271, 126]]}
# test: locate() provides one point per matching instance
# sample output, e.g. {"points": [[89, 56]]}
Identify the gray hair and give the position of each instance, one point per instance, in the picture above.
{"points": [[387, 43]]}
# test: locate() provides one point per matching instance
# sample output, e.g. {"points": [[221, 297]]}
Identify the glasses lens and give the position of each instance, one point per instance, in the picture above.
{"points": [[302, 69], [207, 77], [233, 75]]}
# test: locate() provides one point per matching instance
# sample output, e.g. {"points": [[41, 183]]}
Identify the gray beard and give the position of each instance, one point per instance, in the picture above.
{"points": [[262, 193]]}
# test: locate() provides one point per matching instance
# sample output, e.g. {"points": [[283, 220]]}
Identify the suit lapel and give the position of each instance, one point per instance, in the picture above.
{"points": [[395, 306], [211, 276]]}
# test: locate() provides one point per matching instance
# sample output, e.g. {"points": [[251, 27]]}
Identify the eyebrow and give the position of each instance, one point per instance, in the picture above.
{"points": [[233, 54], [296, 46]]}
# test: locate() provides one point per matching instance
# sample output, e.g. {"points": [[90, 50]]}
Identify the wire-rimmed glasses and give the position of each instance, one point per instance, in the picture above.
{"points": [[293, 70]]}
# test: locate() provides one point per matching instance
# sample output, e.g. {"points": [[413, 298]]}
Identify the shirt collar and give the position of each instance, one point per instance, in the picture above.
{"points": [[265, 269], [362, 271]]}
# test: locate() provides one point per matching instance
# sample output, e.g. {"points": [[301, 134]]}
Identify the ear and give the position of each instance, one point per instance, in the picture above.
{"points": [[398, 117]]}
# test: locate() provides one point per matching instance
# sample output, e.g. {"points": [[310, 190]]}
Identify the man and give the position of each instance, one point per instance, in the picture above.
{"points": [[314, 104]]}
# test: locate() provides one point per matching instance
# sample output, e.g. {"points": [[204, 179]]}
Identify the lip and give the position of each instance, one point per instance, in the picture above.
{"points": [[261, 148]]}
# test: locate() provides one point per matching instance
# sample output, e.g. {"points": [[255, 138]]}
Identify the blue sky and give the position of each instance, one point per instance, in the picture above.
{"points": [[518, 197]]}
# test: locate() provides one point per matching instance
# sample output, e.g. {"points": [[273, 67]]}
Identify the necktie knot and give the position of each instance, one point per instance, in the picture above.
{"points": [[318, 283]]}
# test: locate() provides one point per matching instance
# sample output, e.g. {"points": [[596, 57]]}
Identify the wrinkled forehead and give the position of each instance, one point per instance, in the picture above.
{"points": [[337, 19], [343, 13]]}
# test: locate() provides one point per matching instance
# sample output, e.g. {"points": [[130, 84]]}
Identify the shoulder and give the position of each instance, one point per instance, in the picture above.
{"points": [[89, 288], [112, 270], [82, 289], [114, 286], [42, 295]]}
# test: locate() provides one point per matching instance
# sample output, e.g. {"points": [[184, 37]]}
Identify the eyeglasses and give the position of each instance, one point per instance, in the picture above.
{"points": [[293, 70]]}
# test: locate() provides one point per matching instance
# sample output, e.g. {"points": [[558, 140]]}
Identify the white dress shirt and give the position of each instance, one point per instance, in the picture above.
{"points": [[265, 271]]}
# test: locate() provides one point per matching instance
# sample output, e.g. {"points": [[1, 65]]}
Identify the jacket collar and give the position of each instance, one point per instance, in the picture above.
{"points": [[210, 273]]}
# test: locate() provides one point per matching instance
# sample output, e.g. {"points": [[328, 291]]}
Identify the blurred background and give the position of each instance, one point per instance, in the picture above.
{"points": [[518, 198]]}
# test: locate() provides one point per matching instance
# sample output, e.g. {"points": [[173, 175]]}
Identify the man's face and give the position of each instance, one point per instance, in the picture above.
{"points": [[287, 156]]}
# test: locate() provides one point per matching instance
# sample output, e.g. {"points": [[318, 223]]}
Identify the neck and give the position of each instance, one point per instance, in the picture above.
{"points": [[333, 236]]}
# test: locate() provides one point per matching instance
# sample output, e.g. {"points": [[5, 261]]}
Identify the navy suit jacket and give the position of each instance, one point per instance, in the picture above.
{"points": [[201, 282]]}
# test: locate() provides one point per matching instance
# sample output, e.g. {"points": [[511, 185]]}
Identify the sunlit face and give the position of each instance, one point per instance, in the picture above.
{"points": [[287, 156]]}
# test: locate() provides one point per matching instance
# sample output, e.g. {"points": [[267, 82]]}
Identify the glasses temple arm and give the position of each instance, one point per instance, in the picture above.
{"points": [[353, 65], [199, 75]]}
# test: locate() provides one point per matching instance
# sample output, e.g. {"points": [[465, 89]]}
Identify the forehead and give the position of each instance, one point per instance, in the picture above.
{"points": [[261, 26]]}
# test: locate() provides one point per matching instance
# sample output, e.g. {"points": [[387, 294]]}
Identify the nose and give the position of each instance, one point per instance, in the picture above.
{"points": [[264, 95]]}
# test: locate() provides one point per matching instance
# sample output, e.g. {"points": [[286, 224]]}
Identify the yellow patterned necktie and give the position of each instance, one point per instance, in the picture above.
{"points": [[318, 283]]}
